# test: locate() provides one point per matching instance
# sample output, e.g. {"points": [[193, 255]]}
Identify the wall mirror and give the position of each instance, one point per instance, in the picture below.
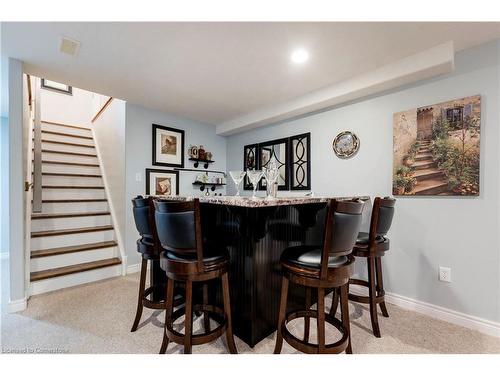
{"points": [[293, 156], [300, 162], [249, 162], [277, 150]]}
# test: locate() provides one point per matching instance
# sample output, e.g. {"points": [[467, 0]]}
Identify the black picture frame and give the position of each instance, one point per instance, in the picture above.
{"points": [[166, 171], [304, 158], [285, 164], [181, 133], [254, 148], [45, 85]]}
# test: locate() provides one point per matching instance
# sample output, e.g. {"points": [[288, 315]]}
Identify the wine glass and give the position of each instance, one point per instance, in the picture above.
{"points": [[271, 175], [237, 177], [254, 176]]}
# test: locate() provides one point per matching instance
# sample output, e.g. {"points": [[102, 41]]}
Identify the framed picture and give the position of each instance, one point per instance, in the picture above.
{"points": [[436, 149], [162, 182], [56, 86], [168, 146]]}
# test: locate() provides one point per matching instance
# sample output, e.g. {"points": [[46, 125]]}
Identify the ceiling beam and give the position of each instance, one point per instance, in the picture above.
{"points": [[426, 64]]}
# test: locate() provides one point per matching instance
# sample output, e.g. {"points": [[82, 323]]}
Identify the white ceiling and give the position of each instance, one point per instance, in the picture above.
{"points": [[215, 72]]}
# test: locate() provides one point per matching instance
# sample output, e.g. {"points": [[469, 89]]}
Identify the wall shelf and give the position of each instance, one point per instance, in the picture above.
{"points": [[207, 185], [197, 170], [205, 162]]}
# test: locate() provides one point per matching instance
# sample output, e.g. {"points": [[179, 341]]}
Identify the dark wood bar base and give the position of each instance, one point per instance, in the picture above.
{"points": [[255, 238]]}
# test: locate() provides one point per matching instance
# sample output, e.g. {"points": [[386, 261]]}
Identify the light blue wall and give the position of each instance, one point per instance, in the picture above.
{"points": [[461, 233], [138, 150]]}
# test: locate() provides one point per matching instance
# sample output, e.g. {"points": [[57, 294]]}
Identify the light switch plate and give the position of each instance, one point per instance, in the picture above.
{"points": [[138, 177]]}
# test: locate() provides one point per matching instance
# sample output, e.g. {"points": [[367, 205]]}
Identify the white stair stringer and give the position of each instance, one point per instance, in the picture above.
{"points": [[73, 239]]}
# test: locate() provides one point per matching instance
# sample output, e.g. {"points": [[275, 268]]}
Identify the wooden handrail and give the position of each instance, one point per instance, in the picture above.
{"points": [[108, 102]]}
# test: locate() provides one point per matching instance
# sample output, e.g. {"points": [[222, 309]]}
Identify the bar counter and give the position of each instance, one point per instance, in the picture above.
{"points": [[255, 232]]}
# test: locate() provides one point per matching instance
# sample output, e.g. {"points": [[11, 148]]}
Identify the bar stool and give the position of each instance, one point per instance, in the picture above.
{"points": [[149, 252], [321, 267], [186, 259], [373, 246]]}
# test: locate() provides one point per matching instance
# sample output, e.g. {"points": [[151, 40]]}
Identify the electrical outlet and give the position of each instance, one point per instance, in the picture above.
{"points": [[445, 274], [138, 177]]}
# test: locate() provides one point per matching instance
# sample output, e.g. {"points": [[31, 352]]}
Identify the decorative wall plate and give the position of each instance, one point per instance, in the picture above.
{"points": [[346, 145]]}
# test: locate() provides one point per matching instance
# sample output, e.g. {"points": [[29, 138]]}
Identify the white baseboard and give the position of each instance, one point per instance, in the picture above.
{"points": [[17, 305], [133, 268], [451, 316]]}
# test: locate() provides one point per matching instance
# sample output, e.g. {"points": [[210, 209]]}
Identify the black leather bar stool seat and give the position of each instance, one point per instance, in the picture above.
{"points": [[373, 246], [321, 267], [188, 263], [187, 259], [149, 252], [309, 257]]}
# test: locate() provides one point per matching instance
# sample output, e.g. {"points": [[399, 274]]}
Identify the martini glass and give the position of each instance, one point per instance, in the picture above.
{"points": [[271, 175], [254, 177], [237, 177]]}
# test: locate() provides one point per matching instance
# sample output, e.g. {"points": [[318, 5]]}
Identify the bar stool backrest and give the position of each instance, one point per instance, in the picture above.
{"points": [[140, 208], [385, 214], [341, 229], [179, 228]]}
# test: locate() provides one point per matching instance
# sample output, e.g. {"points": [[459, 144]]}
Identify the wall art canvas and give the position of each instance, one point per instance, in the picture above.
{"points": [[168, 146], [436, 149], [162, 182]]}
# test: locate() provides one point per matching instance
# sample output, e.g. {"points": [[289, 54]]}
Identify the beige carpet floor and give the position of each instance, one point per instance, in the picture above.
{"points": [[96, 318]]}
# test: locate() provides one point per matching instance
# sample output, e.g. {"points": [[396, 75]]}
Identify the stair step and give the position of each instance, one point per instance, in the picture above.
{"points": [[65, 125], [57, 174], [424, 174], [66, 143], [423, 165], [430, 187], [424, 156], [72, 249], [69, 163], [58, 216], [72, 200], [67, 153], [66, 134], [62, 232], [55, 272], [71, 187]]}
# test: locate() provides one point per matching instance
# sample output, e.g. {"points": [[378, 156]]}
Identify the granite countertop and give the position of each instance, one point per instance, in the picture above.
{"points": [[257, 202]]}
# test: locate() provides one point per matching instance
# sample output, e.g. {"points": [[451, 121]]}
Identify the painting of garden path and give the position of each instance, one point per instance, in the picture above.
{"points": [[436, 149]]}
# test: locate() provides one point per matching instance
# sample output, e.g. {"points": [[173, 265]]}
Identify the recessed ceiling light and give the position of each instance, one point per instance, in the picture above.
{"points": [[300, 56]]}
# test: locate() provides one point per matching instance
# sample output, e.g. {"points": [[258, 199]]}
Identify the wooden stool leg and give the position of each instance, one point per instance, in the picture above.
{"points": [[372, 294], [307, 320], [142, 286], [321, 320], [169, 306], [206, 316], [335, 301], [281, 316], [380, 285], [227, 311], [344, 306], [188, 318]]}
